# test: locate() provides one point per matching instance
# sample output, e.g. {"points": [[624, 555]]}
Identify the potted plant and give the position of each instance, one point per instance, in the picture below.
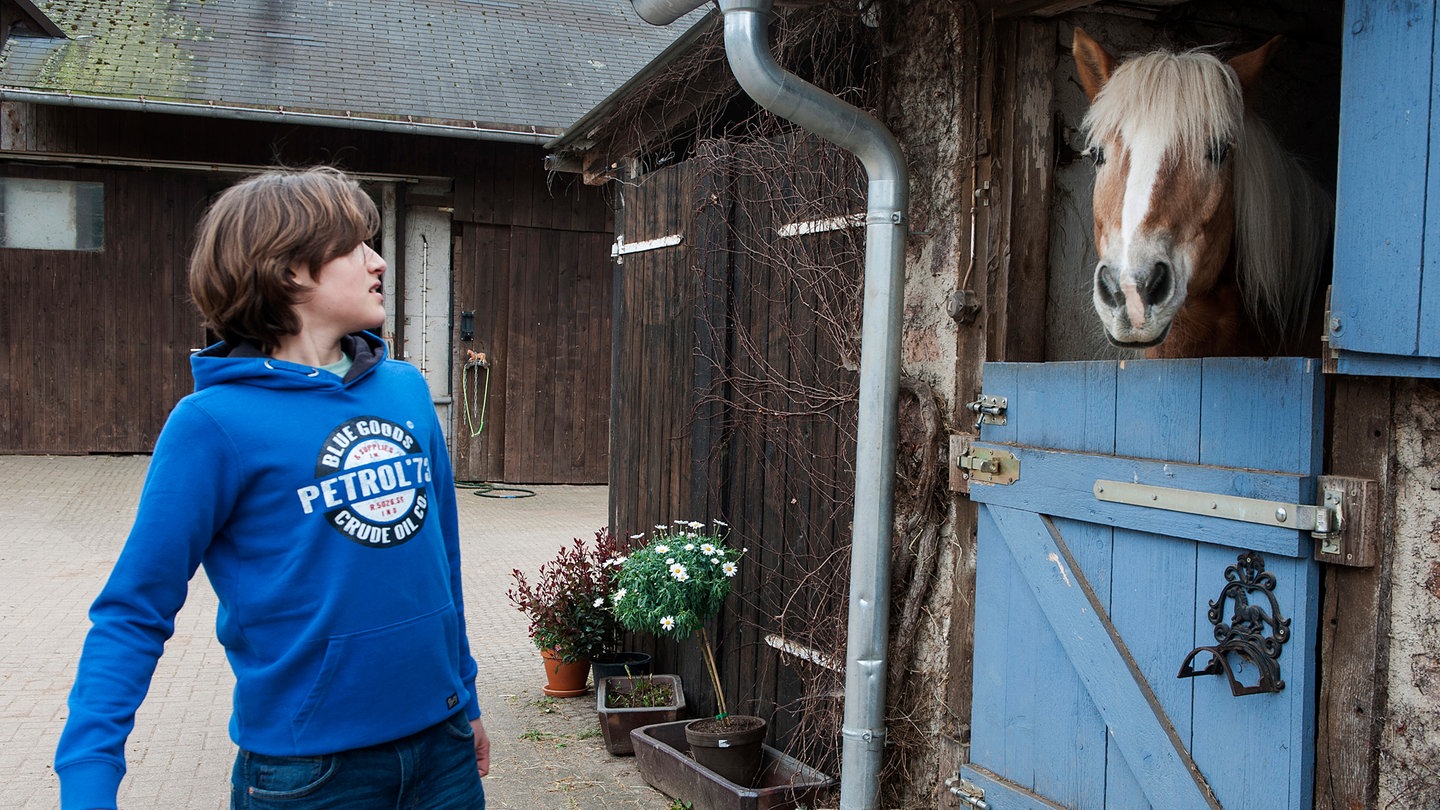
{"points": [[672, 585], [627, 702], [570, 620]]}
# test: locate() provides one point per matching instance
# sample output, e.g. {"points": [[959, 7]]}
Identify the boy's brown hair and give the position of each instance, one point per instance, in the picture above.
{"points": [[259, 232]]}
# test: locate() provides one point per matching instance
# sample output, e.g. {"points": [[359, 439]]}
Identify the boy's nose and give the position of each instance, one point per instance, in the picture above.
{"points": [[376, 261]]}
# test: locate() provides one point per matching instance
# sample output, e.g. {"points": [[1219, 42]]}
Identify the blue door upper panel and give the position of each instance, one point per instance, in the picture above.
{"points": [[1385, 296]]}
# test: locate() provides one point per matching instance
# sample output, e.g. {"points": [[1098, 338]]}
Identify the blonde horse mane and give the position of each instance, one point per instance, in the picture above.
{"points": [[1282, 216]]}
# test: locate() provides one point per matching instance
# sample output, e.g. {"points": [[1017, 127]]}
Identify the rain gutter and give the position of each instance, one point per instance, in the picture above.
{"points": [[886, 226], [209, 110]]}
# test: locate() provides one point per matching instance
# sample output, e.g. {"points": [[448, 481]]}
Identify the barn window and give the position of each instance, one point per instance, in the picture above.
{"points": [[51, 214]]}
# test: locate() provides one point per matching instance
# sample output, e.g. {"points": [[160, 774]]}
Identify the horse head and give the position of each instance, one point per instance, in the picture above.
{"points": [[1166, 131]]}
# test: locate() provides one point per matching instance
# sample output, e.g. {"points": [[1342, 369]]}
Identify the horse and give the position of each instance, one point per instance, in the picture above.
{"points": [[1210, 237]]}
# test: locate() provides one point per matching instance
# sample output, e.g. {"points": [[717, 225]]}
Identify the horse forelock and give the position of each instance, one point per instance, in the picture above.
{"points": [[1187, 101]]}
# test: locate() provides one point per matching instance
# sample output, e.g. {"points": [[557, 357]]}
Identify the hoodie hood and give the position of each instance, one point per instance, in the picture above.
{"points": [[244, 363]]}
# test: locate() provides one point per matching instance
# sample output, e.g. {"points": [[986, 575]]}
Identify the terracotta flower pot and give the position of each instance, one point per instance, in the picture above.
{"points": [[732, 747], [564, 679]]}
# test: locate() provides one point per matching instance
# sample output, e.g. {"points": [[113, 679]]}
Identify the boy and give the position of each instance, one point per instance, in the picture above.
{"points": [[307, 473]]}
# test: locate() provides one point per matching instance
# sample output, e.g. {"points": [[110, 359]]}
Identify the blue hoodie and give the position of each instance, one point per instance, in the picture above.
{"points": [[324, 515]]}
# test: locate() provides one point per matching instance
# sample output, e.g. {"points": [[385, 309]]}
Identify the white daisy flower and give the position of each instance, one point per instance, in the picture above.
{"points": [[695, 524], [637, 536], [708, 550], [715, 560], [620, 594], [667, 623], [600, 602], [662, 549], [661, 526], [729, 568], [719, 522], [678, 571], [689, 546]]}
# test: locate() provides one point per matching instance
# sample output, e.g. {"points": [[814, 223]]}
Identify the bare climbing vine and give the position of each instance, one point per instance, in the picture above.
{"points": [[781, 280]]}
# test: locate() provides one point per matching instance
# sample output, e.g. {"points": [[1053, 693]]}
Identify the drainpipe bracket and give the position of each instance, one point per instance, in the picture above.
{"points": [[874, 738]]}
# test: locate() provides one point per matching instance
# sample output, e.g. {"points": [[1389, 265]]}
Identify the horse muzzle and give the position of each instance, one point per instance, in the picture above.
{"points": [[1137, 306]]}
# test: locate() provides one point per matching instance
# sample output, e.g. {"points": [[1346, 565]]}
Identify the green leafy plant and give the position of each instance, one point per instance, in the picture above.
{"points": [[566, 602], [676, 582]]}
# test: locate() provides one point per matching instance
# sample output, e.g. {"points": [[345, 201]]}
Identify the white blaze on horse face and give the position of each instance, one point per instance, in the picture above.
{"points": [[1144, 163], [1139, 263]]}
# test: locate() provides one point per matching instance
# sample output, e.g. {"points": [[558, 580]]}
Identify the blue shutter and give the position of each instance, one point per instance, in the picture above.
{"points": [[1385, 298]]}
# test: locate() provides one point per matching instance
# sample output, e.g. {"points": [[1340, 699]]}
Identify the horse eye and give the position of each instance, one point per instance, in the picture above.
{"points": [[1096, 154], [1217, 152]]}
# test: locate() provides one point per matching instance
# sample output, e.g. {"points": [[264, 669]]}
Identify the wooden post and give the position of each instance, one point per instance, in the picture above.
{"points": [[1353, 644]]}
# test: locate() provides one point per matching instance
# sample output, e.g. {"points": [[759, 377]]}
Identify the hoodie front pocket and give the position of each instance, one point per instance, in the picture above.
{"points": [[381, 684]]}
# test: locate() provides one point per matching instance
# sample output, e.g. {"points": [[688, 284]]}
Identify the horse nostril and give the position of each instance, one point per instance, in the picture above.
{"points": [[1107, 286], [1158, 284]]}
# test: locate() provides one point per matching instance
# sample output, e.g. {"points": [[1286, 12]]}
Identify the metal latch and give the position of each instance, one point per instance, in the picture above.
{"points": [[988, 466], [1345, 523], [967, 791], [989, 410]]}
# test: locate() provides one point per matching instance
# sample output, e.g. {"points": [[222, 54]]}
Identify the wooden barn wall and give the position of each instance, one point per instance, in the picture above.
{"points": [[96, 344], [532, 262], [518, 234], [691, 441]]}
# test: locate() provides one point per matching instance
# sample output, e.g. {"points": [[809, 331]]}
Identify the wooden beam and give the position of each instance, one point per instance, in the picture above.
{"points": [[1016, 8], [1353, 644]]}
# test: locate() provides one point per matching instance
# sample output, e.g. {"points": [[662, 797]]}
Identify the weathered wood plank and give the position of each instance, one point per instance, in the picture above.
{"points": [[1353, 655], [1153, 751]]}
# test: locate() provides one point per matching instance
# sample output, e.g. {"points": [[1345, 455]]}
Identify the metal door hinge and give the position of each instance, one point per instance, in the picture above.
{"points": [[1345, 524], [621, 248], [1355, 534], [968, 792]]}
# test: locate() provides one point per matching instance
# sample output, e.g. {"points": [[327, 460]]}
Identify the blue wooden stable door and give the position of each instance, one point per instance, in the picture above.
{"points": [[1090, 597]]}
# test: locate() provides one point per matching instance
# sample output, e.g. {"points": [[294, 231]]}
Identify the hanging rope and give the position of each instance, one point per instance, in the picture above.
{"points": [[479, 362]]}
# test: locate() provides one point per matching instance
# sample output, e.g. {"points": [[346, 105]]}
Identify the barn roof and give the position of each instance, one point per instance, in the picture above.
{"points": [[489, 69]]}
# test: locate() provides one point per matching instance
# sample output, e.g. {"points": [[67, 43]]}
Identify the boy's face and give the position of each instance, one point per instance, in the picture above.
{"points": [[346, 294]]}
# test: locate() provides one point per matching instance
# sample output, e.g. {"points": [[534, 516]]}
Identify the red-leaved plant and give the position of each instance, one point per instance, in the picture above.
{"points": [[567, 604]]}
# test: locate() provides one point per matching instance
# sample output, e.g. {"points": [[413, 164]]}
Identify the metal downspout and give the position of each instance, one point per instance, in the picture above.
{"points": [[886, 225]]}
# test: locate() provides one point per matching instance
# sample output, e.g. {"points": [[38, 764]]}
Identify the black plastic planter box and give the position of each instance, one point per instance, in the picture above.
{"points": [[664, 760]]}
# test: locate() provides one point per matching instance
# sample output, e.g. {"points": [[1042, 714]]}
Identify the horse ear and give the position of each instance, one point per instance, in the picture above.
{"points": [[1094, 63], [1248, 66]]}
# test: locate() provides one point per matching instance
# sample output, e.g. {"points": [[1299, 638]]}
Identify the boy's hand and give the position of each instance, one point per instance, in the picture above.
{"points": [[482, 747]]}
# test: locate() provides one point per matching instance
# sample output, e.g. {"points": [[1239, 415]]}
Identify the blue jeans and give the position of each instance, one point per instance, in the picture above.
{"points": [[432, 769]]}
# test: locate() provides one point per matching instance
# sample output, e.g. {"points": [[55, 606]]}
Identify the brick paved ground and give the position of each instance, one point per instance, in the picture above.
{"points": [[62, 522]]}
